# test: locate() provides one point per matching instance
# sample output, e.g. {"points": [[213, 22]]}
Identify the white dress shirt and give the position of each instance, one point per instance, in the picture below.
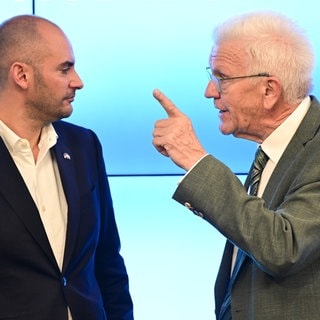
{"points": [[43, 181]]}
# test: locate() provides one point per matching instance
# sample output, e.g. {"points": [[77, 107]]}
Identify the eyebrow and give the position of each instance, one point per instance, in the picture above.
{"points": [[66, 64], [218, 73]]}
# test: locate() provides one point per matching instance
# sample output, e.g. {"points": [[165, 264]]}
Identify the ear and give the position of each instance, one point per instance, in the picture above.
{"points": [[272, 92], [20, 74]]}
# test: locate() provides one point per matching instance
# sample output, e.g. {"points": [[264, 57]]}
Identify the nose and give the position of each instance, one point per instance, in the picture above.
{"points": [[76, 81], [211, 91]]}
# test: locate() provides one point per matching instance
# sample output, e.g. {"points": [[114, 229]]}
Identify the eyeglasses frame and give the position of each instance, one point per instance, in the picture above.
{"points": [[217, 80]]}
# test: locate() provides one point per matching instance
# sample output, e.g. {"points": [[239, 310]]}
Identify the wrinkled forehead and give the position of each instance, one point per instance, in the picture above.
{"points": [[228, 54], [213, 54]]}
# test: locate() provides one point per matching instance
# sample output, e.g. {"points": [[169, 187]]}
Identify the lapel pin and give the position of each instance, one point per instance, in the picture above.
{"points": [[66, 156]]}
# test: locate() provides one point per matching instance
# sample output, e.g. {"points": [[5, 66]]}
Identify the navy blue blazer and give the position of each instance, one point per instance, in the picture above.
{"points": [[93, 282]]}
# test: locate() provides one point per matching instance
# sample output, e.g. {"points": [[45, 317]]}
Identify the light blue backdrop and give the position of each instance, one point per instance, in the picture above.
{"points": [[124, 49]]}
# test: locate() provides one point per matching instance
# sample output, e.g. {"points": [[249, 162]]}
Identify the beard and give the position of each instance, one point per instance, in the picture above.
{"points": [[45, 104]]}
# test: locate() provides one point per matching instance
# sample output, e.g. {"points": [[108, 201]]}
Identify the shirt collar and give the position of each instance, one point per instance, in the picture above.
{"points": [[277, 141], [12, 140]]}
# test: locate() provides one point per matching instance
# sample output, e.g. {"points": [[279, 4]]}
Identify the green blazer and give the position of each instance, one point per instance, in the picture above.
{"points": [[280, 232]]}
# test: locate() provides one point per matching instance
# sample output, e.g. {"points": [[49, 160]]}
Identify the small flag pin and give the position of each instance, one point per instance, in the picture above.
{"points": [[66, 156]]}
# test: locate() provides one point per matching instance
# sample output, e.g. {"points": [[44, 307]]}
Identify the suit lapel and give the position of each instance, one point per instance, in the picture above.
{"points": [[15, 191], [306, 132], [65, 160]]}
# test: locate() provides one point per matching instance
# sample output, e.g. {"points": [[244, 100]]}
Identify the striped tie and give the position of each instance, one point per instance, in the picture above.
{"points": [[259, 163]]}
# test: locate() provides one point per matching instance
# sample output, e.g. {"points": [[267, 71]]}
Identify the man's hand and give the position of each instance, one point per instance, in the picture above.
{"points": [[174, 137]]}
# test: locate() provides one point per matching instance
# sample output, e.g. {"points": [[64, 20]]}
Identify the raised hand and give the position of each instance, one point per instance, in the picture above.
{"points": [[174, 137]]}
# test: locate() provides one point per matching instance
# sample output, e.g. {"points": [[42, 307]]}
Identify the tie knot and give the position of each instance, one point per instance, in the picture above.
{"points": [[259, 163], [260, 159]]}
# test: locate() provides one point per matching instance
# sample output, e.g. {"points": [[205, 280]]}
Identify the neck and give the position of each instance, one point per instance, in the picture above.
{"points": [[24, 130]]}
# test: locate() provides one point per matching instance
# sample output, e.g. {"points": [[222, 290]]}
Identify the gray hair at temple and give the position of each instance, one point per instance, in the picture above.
{"points": [[274, 44]]}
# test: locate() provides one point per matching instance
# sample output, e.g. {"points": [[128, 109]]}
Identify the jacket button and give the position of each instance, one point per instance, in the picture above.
{"points": [[64, 281], [188, 205], [198, 213]]}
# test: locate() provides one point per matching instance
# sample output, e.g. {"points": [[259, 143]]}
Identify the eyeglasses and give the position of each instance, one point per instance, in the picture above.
{"points": [[218, 80]]}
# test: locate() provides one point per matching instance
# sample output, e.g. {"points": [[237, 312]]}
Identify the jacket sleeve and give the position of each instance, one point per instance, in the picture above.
{"points": [[281, 237]]}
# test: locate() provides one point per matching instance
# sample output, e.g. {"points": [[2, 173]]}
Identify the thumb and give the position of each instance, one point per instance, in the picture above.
{"points": [[171, 110]]}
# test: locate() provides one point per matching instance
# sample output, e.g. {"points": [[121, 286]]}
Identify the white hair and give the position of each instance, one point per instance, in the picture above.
{"points": [[273, 44]]}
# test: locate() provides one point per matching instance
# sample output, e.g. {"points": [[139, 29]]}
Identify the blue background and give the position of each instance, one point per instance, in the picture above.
{"points": [[124, 49]]}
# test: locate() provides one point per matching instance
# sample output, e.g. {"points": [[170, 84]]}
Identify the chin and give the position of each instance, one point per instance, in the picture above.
{"points": [[66, 112], [67, 115], [225, 131]]}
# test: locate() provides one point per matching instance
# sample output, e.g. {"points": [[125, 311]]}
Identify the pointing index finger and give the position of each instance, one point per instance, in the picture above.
{"points": [[170, 108]]}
